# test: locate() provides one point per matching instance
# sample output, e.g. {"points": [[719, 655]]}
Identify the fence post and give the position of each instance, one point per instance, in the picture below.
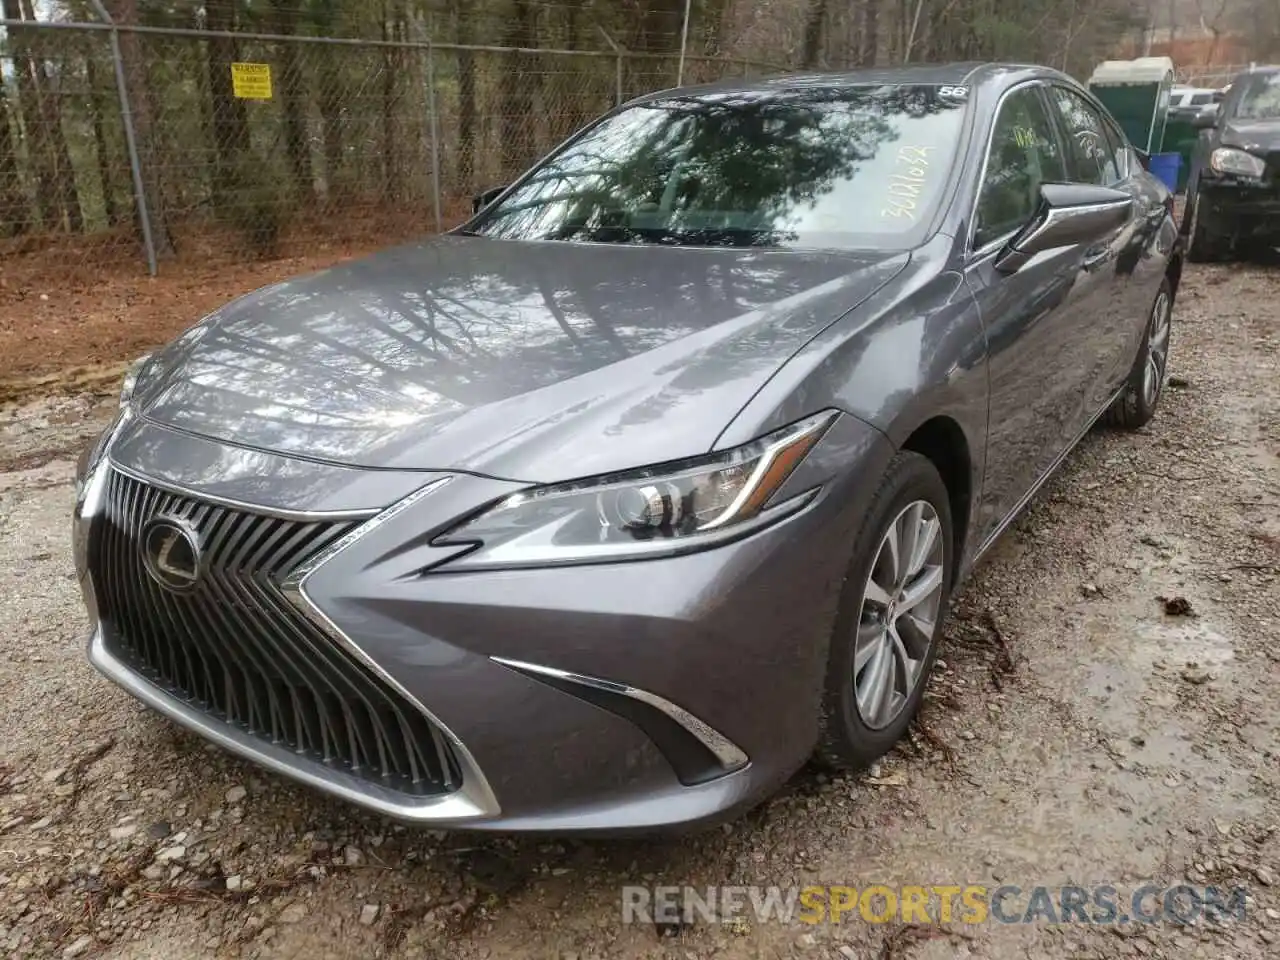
{"points": [[435, 126], [130, 139], [684, 42]]}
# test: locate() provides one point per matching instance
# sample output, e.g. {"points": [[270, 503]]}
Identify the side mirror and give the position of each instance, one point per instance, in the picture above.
{"points": [[1069, 214], [482, 200], [1206, 120]]}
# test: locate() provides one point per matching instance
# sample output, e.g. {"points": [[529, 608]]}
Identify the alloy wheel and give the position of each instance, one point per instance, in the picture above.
{"points": [[899, 615], [1157, 348]]}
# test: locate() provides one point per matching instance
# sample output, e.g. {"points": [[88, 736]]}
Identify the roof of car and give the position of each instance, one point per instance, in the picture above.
{"points": [[969, 72]]}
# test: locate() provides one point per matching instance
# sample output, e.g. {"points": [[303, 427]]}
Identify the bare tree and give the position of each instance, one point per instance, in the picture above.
{"points": [[101, 109], [36, 119], [516, 87], [14, 212], [814, 27], [1213, 17], [230, 121], [1258, 22], [288, 14]]}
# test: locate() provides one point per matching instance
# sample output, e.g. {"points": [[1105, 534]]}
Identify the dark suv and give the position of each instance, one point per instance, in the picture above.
{"points": [[1233, 197]]}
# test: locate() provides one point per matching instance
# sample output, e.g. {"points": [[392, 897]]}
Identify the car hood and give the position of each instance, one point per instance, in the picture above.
{"points": [[528, 361], [1256, 136]]}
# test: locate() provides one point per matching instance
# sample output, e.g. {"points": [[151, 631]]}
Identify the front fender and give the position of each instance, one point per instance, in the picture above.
{"points": [[914, 351]]}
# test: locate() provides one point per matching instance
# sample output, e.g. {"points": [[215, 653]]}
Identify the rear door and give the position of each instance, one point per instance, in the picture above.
{"points": [[1105, 285]]}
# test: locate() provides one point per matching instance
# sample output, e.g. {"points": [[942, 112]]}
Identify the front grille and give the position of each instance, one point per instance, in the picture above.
{"points": [[235, 648]]}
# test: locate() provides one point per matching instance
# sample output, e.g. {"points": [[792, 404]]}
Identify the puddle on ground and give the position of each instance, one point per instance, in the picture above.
{"points": [[1117, 677], [1121, 663], [1173, 641], [1182, 641]]}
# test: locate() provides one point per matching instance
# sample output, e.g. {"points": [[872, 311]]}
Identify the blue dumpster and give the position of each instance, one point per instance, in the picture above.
{"points": [[1166, 167]]}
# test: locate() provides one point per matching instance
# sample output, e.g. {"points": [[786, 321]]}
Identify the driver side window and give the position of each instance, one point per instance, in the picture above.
{"points": [[1024, 154]]}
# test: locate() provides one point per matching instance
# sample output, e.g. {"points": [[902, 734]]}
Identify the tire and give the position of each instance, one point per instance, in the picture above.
{"points": [[911, 496], [1135, 407], [1203, 246]]}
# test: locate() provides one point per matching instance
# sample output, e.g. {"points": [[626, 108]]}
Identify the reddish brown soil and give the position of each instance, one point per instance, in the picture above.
{"points": [[74, 311], [58, 328]]}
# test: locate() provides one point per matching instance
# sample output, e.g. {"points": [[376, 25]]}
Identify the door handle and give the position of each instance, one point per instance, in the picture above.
{"points": [[1095, 257]]}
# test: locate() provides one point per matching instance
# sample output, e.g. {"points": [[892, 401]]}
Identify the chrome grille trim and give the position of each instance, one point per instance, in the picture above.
{"points": [[475, 788], [239, 662], [301, 515]]}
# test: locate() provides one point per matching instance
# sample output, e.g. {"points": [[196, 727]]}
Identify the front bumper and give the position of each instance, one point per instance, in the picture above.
{"points": [[603, 698], [1240, 209]]}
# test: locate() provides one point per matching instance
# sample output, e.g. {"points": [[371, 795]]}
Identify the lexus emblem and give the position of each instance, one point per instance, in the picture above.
{"points": [[171, 553]]}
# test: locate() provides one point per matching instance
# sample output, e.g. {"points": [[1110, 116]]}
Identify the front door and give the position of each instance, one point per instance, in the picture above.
{"points": [[1036, 320]]}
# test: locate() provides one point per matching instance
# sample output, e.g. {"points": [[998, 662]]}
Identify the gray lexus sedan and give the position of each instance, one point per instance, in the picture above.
{"points": [[609, 508]]}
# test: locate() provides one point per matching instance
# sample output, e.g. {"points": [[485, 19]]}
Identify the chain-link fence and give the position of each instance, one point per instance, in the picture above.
{"points": [[1215, 76], [149, 143]]}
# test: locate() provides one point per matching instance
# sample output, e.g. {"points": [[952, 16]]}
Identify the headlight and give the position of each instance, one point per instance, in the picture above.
{"points": [[673, 508], [1237, 162], [130, 380]]}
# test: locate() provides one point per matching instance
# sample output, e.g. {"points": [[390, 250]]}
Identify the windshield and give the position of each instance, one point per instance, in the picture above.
{"points": [[1260, 98], [827, 167]]}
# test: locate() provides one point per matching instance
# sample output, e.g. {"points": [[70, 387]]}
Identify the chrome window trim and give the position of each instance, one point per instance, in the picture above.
{"points": [[979, 254], [727, 753], [992, 247]]}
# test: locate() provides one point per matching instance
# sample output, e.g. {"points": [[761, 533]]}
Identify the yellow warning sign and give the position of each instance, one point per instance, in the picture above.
{"points": [[251, 81]]}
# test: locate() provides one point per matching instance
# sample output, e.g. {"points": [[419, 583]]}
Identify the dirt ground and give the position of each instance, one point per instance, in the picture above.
{"points": [[103, 317], [93, 294], [1077, 733]]}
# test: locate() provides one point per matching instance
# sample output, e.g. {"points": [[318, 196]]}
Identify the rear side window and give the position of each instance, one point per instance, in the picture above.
{"points": [[1202, 99], [1090, 156], [1024, 154]]}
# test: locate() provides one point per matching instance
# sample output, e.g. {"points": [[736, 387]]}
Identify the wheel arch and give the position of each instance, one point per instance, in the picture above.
{"points": [[942, 440]]}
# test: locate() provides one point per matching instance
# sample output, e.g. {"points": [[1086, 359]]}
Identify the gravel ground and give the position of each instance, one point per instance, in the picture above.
{"points": [[1082, 730]]}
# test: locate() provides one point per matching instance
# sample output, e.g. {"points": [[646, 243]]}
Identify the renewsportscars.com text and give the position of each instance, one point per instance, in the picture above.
{"points": [[936, 903]]}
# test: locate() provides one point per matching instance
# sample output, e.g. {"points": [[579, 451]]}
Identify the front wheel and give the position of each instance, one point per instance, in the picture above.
{"points": [[890, 618], [1137, 405]]}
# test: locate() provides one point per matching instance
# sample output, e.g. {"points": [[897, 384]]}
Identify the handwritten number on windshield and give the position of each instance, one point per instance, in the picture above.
{"points": [[907, 184]]}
